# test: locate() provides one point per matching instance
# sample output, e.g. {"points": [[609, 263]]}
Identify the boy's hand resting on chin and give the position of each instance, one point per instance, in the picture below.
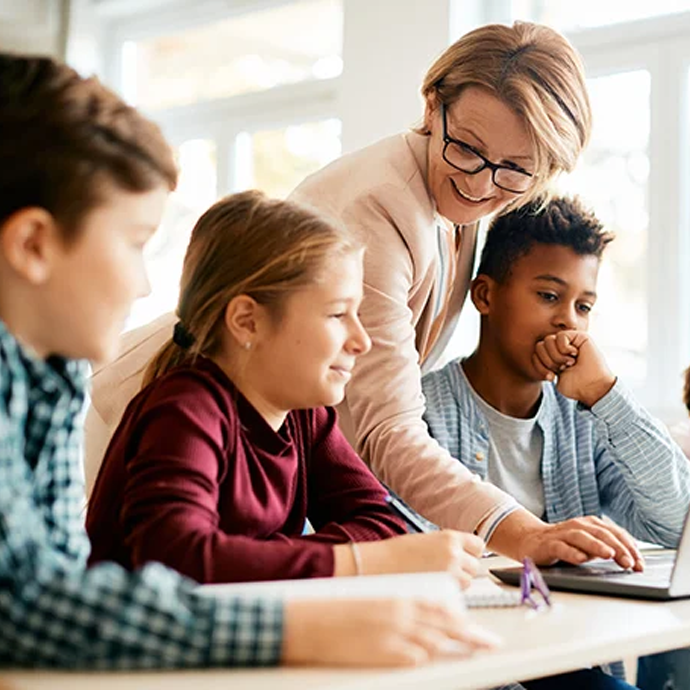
{"points": [[573, 360]]}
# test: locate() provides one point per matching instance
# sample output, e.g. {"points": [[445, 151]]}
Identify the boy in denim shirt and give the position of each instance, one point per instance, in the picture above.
{"points": [[535, 408]]}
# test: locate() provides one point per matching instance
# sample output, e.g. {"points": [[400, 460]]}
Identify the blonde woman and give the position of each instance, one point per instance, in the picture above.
{"points": [[506, 111]]}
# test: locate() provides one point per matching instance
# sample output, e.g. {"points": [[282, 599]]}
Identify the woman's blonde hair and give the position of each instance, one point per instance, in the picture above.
{"points": [[246, 244], [537, 74]]}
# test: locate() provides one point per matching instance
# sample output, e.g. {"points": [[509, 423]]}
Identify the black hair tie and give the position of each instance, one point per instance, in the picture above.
{"points": [[182, 337]]}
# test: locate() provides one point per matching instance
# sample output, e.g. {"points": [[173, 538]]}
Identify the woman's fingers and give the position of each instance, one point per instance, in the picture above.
{"points": [[620, 539], [556, 547], [581, 539]]}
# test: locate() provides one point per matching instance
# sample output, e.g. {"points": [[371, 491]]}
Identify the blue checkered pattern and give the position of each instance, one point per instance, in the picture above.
{"points": [[54, 612]]}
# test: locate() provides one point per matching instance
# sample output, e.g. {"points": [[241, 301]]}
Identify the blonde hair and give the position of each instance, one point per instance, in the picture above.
{"points": [[247, 244], [537, 74]]}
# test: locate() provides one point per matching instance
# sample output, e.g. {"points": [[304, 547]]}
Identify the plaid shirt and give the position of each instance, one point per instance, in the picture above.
{"points": [[54, 612]]}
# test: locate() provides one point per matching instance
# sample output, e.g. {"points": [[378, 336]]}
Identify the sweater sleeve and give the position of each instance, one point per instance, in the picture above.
{"points": [[170, 507], [346, 501], [385, 402], [644, 478]]}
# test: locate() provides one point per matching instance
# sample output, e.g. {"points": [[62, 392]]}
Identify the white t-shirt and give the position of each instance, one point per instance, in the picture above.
{"points": [[515, 449]]}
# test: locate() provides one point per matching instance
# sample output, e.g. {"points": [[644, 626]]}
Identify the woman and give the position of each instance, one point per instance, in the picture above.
{"points": [[506, 111], [232, 443]]}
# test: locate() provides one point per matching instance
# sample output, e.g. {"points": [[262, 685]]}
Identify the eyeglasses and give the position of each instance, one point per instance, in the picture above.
{"points": [[531, 579], [467, 159]]}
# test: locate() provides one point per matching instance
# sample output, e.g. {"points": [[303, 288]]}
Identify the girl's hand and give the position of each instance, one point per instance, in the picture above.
{"points": [[455, 552]]}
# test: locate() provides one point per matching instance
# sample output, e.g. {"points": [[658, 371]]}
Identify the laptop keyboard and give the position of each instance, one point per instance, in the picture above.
{"points": [[657, 571]]}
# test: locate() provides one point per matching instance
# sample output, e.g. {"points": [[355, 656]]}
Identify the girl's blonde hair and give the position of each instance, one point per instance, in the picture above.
{"points": [[246, 244], [537, 74]]}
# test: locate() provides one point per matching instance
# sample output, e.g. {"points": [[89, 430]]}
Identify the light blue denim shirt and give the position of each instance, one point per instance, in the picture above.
{"points": [[613, 459]]}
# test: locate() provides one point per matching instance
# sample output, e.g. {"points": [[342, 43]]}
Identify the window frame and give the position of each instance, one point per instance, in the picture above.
{"points": [[660, 45], [219, 119]]}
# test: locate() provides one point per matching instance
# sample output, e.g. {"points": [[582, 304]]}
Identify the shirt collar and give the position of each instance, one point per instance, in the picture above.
{"points": [[51, 374]]}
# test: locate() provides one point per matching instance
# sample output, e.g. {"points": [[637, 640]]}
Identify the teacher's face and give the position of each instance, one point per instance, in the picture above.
{"points": [[487, 125]]}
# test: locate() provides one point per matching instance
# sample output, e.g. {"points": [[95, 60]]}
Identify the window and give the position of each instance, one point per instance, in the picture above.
{"points": [[256, 51], [196, 191], [635, 175], [612, 176], [277, 160], [248, 98], [567, 16]]}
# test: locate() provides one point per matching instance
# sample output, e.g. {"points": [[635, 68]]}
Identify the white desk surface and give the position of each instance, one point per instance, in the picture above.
{"points": [[579, 631]]}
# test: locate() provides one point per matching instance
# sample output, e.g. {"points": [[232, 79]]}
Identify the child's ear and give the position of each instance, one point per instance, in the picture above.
{"points": [[480, 291], [28, 241], [242, 317]]}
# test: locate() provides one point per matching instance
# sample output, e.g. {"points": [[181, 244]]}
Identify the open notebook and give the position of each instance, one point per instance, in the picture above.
{"points": [[432, 586]]}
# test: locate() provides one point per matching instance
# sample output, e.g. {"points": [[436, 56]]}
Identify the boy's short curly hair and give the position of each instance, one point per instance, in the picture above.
{"points": [[64, 137], [563, 221]]}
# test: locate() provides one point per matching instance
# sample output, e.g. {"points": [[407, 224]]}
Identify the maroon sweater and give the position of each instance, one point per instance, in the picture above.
{"points": [[195, 478]]}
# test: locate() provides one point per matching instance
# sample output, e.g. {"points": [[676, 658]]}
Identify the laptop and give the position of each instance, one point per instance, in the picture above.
{"points": [[666, 575]]}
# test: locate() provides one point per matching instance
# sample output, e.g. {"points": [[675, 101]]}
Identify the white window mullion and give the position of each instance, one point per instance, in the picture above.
{"points": [[663, 269], [225, 143], [682, 261]]}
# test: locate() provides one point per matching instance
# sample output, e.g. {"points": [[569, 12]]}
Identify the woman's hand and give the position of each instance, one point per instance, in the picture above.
{"points": [[575, 541], [455, 552], [377, 632], [581, 539]]}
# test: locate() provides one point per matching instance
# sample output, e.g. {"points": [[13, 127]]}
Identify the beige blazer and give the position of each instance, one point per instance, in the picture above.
{"points": [[380, 190], [114, 385]]}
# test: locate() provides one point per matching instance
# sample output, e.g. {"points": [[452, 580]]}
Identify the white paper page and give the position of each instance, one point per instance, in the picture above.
{"points": [[431, 586]]}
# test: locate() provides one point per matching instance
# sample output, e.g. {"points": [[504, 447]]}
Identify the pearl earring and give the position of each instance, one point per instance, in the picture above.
{"points": [[247, 345]]}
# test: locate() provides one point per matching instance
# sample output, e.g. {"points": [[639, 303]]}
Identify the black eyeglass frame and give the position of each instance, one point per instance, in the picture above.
{"points": [[494, 167]]}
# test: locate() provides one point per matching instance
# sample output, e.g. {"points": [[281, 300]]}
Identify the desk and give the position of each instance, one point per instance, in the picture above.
{"points": [[579, 631]]}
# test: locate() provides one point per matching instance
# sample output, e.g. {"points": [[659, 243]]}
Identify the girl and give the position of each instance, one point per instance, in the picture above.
{"points": [[233, 443]]}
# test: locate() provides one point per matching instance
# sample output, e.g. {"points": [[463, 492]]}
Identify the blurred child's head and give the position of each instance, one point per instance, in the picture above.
{"points": [[686, 389], [83, 182], [271, 289], [537, 275]]}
